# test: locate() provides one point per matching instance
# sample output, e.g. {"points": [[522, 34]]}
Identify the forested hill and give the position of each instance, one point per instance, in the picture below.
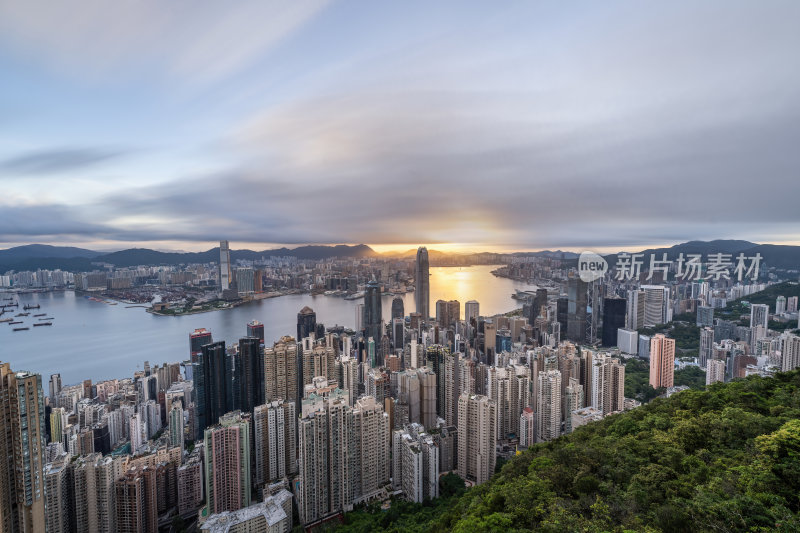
{"points": [[724, 459]]}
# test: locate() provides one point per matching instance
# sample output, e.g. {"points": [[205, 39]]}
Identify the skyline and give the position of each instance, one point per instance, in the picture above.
{"points": [[612, 127]]}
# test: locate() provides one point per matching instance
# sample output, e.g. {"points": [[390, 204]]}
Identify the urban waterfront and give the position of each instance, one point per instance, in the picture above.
{"points": [[94, 340]]}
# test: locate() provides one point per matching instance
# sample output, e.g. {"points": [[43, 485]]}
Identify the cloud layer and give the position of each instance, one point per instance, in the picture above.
{"points": [[529, 128]]}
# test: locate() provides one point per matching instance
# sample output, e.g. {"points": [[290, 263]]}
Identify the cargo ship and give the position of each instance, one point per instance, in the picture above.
{"points": [[21, 329], [43, 324]]}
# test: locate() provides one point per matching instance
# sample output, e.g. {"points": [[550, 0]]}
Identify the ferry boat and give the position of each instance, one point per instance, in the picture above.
{"points": [[6, 320], [355, 296]]}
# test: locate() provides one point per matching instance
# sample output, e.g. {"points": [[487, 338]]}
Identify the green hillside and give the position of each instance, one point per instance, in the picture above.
{"points": [[723, 459]]}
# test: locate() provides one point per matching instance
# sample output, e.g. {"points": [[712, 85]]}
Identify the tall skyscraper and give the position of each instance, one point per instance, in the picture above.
{"points": [[306, 323], [472, 309], [398, 310], [422, 293], [58, 491], [577, 309], [791, 353], [197, 339], [780, 305], [373, 318], [548, 406], [280, 371], [249, 374], [662, 361], [211, 384], [227, 463], [656, 305], [477, 437], [759, 315], [22, 448], [224, 269], [93, 479], [256, 329], [635, 310], [613, 319]]}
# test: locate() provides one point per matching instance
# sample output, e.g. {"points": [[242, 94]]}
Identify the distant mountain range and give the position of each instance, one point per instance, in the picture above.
{"points": [[774, 255], [33, 256]]}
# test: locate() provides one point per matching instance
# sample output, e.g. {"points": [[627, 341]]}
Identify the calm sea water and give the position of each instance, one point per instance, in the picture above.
{"points": [[100, 341]]}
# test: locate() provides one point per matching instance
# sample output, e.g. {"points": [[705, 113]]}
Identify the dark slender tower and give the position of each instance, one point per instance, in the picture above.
{"points": [[211, 381], [422, 294], [613, 319], [397, 308], [372, 311], [306, 323], [250, 370]]}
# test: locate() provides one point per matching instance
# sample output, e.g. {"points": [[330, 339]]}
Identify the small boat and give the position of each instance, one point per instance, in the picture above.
{"points": [[22, 314], [37, 306], [7, 320], [21, 329], [15, 322], [41, 314], [43, 324], [47, 318]]}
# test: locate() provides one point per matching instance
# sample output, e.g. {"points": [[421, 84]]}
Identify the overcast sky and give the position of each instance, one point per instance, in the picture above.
{"points": [[504, 125]]}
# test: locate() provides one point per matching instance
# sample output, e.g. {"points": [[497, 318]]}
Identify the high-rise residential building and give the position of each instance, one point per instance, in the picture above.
{"points": [[613, 319], [573, 399], [509, 388], [422, 293], [608, 384], [245, 280], [93, 478], [759, 315], [275, 446], [791, 304], [472, 310], [255, 328], [58, 493], [227, 464], [280, 371], [397, 308], [176, 424], [373, 318], [212, 381], [306, 323], [343, 453], [548, 405], [706, 351], [656, 305], [477, 437], [644, 347], [249, 370], [705, 316], [416, 459], [791, 353], [190, 484], [135, 497], [371, 430], [715, 371], [22, 448], [780, 305], [662, 361], [224, 268], [319, 360], [577, 302], [527, 427]]}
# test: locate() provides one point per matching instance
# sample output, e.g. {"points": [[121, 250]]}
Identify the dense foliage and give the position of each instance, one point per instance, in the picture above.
{"points": [[722, 459]]}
